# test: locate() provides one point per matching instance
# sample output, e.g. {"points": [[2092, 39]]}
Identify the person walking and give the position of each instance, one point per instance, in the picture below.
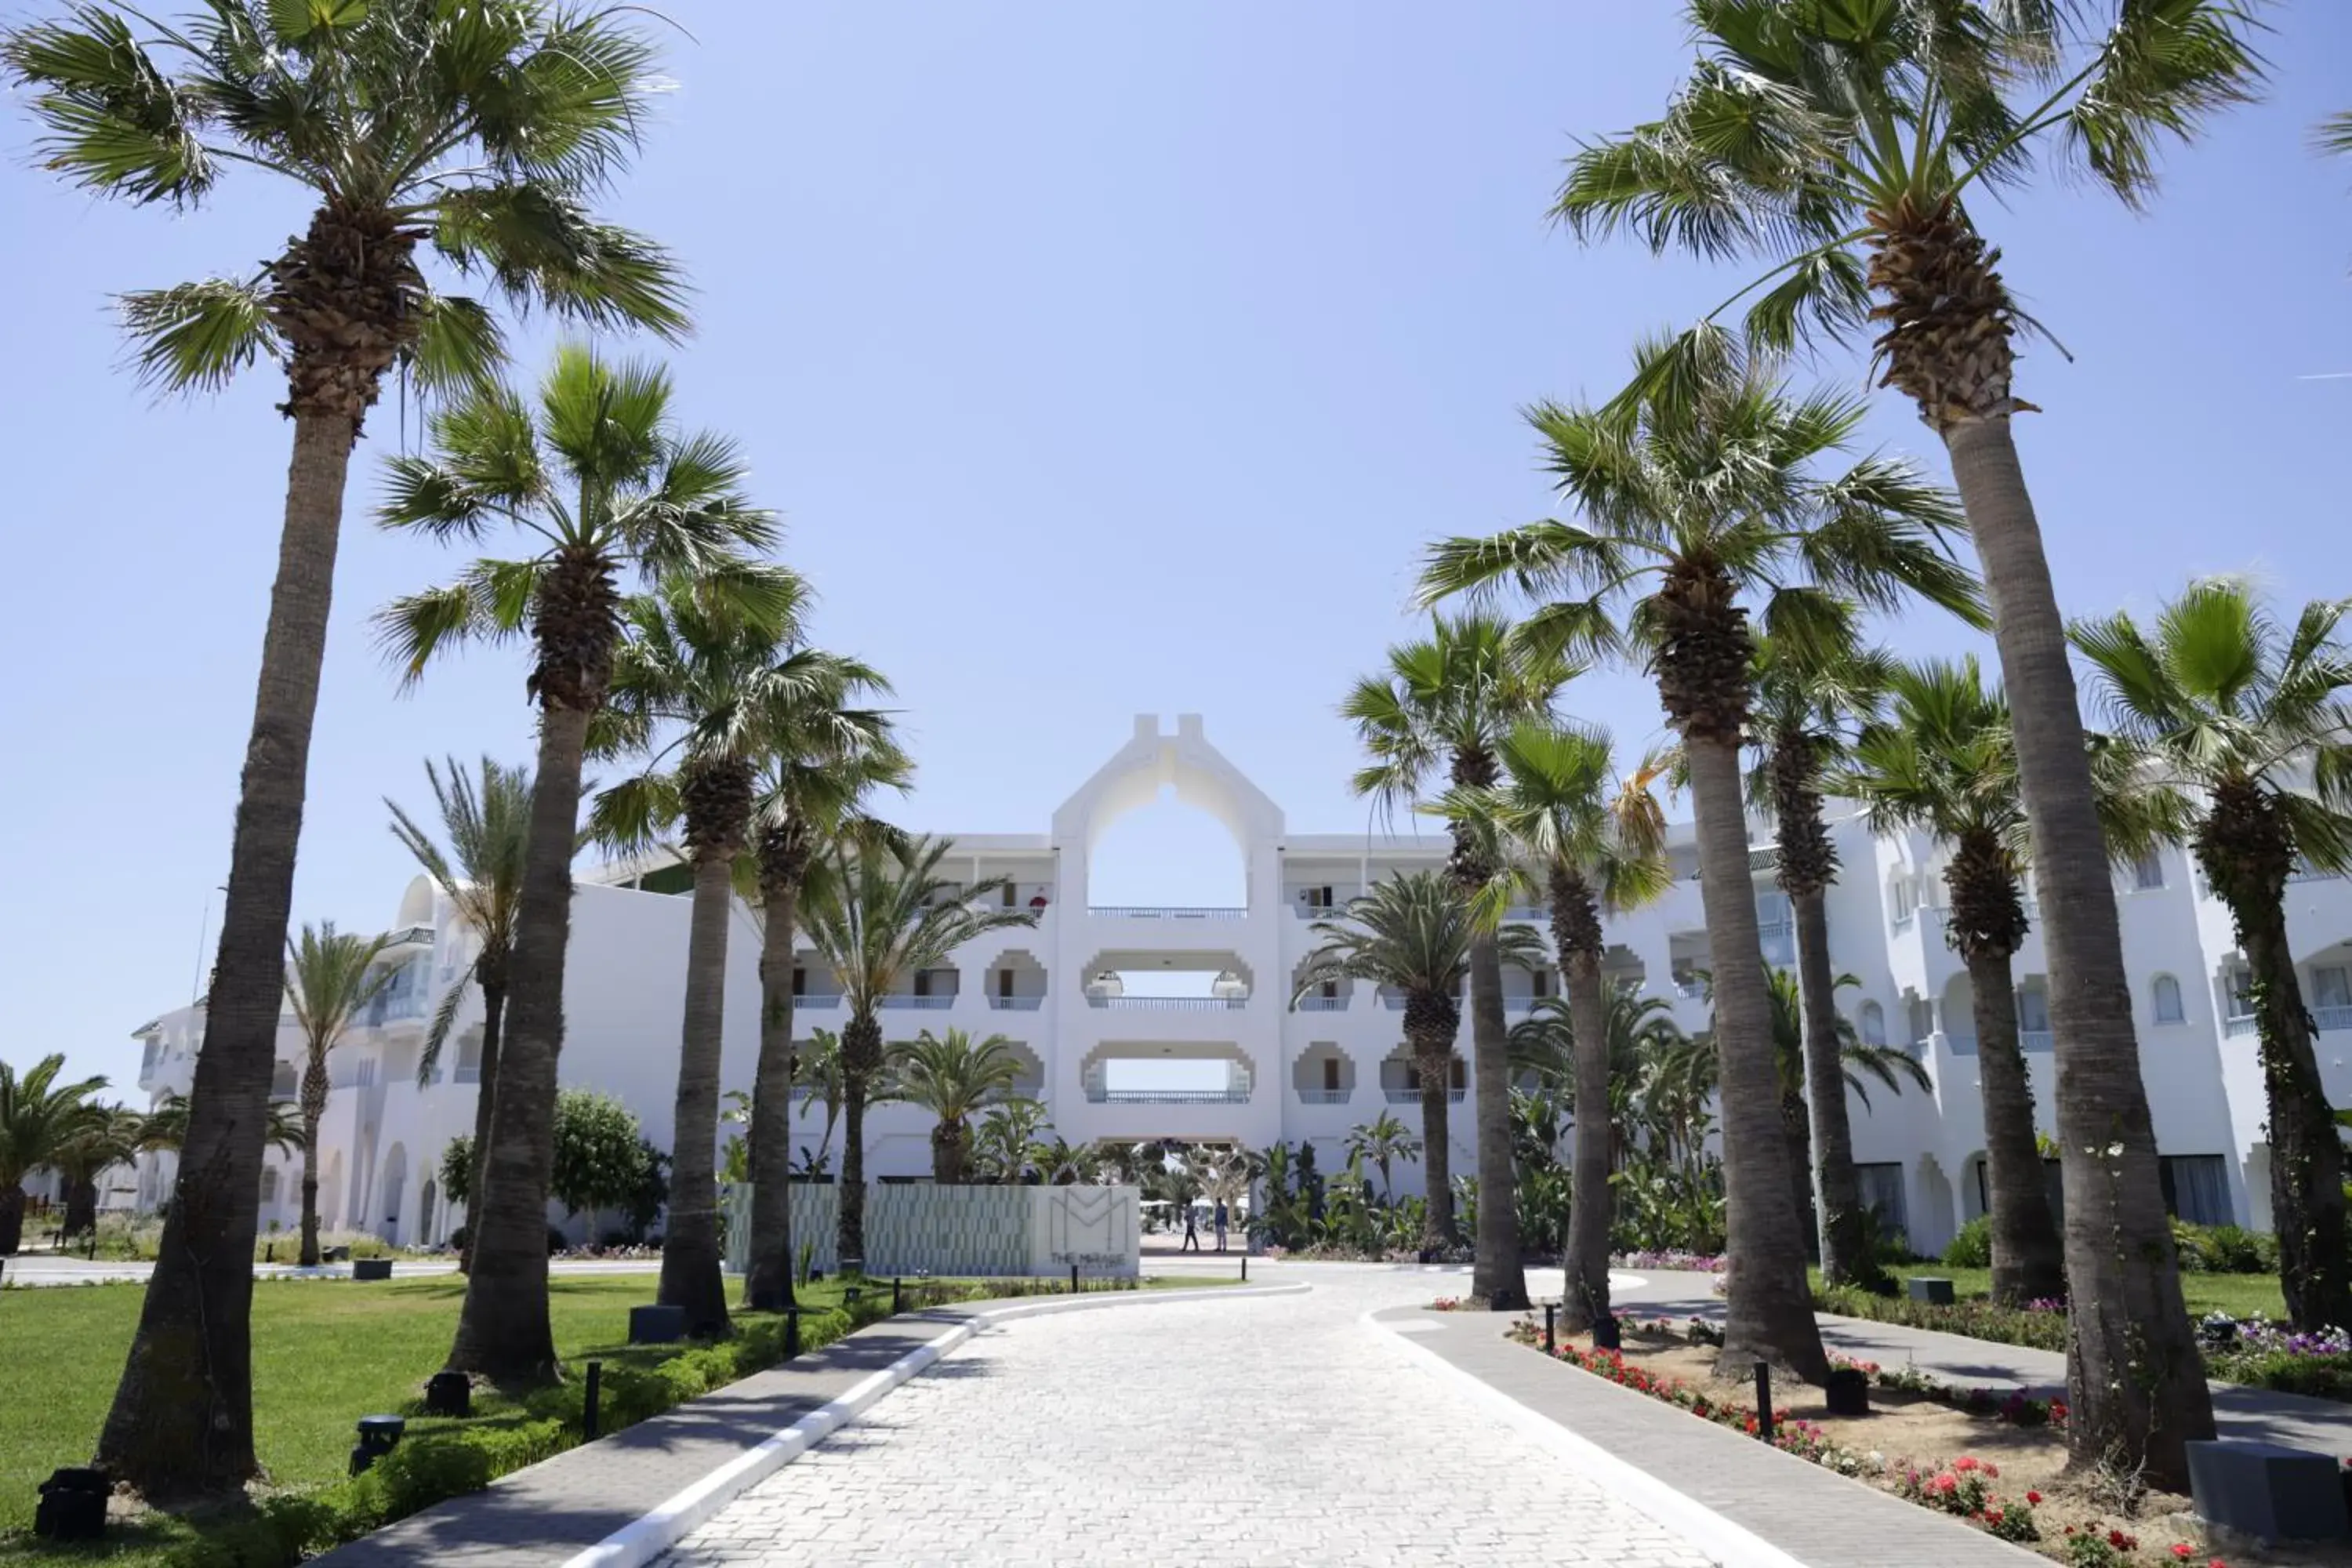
{"points": [[1221, 1225], [1192, 1232]]}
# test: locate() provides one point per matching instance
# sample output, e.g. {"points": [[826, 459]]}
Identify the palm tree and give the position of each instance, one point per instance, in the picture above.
{"points": [[1413, 934], [1942, 761], [1383, 1141], [166, 1126], [818, 1070], [331, 977], [954, 1076], [821, 758], [602, 478], [1008, 1138], [488, 826], [1809, 697], [1640, 1030], [1841, 141], [38, 1116], [1856, 1064], [2250, 718], [1696, 500], [485, 129], [1444, 704], [108, 1135], [883, 914], [1561, 825]]}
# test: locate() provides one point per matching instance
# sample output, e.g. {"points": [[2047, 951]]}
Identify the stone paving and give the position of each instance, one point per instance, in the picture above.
{"points": [[1207, 1433]]}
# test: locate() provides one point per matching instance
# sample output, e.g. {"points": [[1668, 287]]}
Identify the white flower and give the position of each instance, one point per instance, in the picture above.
{"points": [[2115, 1150]]}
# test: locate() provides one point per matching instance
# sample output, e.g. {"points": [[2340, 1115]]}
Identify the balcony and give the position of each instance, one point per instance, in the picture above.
{"points": [[410, 936], [2036, 1040], [1165, 912], [1015, 1004], [469, 1073], [1903, 923], [2237, 1024], [821, 1003], [1328, 1096], [1322, 1004], [1413, 1096], [1166, 1096], [1171, 1003], [1783, 928], [2332, 1018], [927, 1004]]}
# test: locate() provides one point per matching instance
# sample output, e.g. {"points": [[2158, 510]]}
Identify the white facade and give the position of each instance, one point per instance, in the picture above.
{"points": [[1306, 1073]]}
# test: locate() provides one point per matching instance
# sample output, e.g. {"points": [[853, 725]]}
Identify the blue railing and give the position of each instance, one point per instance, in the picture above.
{"points": [[1171, 1004], [820, 1003], [1166, 912], [1322, 1004], [1166, 1096], [929, 1003], [1015, 1004], [2332, 1018], [1325, 1096], [1413, 1096]]}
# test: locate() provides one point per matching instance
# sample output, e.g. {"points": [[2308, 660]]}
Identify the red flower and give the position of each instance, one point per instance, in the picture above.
{"points": [[2182, 1549], [1964, 1463], [2034, 1496], [2122, 1543]]}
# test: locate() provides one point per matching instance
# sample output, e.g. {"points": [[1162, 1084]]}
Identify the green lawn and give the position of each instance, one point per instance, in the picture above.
{"points": [[2239, 1295]]}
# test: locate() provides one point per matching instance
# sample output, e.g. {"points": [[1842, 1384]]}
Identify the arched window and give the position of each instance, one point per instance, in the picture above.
{"points": [[2167, 1001], [1874, 1024]]}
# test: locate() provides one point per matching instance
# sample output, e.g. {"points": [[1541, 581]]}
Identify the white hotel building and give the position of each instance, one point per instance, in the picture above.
{"points": [[1079, 994]]}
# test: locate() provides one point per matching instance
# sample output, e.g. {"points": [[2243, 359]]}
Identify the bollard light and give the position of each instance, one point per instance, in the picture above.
{"points": [[1551, 1343], [1764, 1399], [379, 1436], [897, 1295], [1074, 1279], [792, 1333], [72, 1505]]}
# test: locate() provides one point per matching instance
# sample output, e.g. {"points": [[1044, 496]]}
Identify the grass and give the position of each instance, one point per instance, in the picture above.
{"points": [[2239, 1295]]}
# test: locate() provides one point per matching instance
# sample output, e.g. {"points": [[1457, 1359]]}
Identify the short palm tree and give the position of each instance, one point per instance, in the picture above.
{"points": [[1810, 695], [478, 132], [822, 758], [955, 1077], [1008, 1138], [1699, 501], [602, 479], [38, 1116], [108, 1135], [1443, 707], [1942, 762], [2250, 719], [1841, 141], [882, 914], [486, 819], [1413, 934], [331, 977], [166, 1126], [1381, 1142], [816, 1075], [1563, 826], [1859, 1064]]}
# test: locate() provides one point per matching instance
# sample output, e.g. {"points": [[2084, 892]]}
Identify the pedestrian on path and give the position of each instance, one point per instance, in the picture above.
{"points": [[1192, 1232], [1221, 1225]]}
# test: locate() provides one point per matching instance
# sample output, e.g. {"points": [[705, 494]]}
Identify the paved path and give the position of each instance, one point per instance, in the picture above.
{"points": [[1278, 1429], [2323, 1426]]}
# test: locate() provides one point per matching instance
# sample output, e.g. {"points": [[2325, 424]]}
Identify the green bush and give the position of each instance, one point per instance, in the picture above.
{"points": [[1972, 1247], [2223, 1249], [1976, 1317]]}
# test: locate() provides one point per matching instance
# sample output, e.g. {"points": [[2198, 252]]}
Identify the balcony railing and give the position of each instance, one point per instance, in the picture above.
{"points": [[929, 1003], [1166, 1096], [1015, 1004], [2303, 873], [411, 936], [1903, 923], [1171, 1004], [2036, 1040], [1319, 911], [1413, 1096], [820, 1003], [1325, 1096], [467, 1074], [2332, 1018], [2241, 1023], [1690, 990], [1165, 912], [1784, 926], [1322, 1004]]}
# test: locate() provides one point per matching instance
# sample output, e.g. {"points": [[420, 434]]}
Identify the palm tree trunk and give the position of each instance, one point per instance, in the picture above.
{"points": [[182, 1421], [767, 1274], [1496, 1276], [1769, 1310], [486, 1091], [2307, 1150], [861, 1053], [1846, 1258], [503, 1330], [1434, 1060], [81, 1204], [1585, 1295], [1796, 1127], [947, 1153], [314, 1112], [2134, 1379], [2028, 1263], [692, 1273], [12, 1219]]}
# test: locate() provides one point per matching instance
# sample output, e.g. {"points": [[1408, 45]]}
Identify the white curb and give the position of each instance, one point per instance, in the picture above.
{"points": [[642, 1539], [1729, 1544]]}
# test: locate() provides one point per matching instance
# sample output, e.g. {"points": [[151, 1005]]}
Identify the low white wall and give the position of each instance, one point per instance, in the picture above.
{"points": [[915, 1228]]}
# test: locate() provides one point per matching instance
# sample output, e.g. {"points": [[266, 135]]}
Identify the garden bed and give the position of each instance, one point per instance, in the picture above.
{"points": [[1994, 1461]]}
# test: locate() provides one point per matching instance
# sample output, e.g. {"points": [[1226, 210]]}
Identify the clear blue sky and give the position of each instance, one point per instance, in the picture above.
{"points": [[1102, 359]]}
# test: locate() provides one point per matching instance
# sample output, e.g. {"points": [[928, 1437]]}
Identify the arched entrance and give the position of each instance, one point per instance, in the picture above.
{"points": [[395, 1177]]}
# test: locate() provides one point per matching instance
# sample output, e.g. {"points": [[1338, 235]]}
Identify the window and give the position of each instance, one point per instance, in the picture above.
{"points": [[1882, 1193], [2240, 983], [268, 1184], [2148, 871], [1331, 1074], [2329, 987], [1453, 1077], [1540, 984], [1005, 894], [2167, 1000], [922, 982], [800, 981], [1330, 990], [2196, 1188], [1901, 895], [1874, 1024], [282, 1083], [1004, 984]]}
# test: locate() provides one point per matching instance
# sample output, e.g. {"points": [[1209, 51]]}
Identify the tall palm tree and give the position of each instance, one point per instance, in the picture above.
{"points": [[822, 758], [484, 128], [331, 977], [1563, 827], [1942, 761], [488, 826], [38, 1116], [602, 479], [954, 1078], [1841, 141], [2250, 718], [1856, 1064], [1443, 706], [1381, 1142], [1413, 934], [1698, 500], [882, 914], [1809, 698]]}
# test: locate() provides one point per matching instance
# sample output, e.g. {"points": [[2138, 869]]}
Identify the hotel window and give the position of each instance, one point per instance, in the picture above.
{"points": [[800, 982], [2196, 1188], [1540, 986], [922, 982], [1882, 1193], [1331, 1074], [2169, 1009], [1004, 984], [2239, 989], [1874, 1024], [2148, 871], [1319, 897], [1330, 990], [2033, 1012], [2331, 987]]}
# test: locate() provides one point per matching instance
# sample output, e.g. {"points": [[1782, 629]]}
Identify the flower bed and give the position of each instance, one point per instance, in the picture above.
{"points": [[1686, 1262], [2065, 1524]]}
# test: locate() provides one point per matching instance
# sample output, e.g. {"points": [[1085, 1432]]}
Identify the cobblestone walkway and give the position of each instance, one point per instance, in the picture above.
{"points": [[1270, 1431]]}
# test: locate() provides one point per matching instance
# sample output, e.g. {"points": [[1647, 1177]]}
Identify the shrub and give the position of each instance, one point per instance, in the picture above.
{"points": [[1972, 1247], [2223, 1249]]}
